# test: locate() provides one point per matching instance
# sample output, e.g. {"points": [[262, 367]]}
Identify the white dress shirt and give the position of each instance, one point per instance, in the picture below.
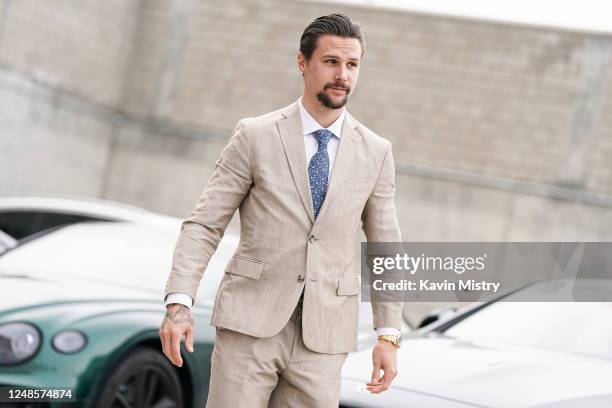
{"points": [[309, 126]]}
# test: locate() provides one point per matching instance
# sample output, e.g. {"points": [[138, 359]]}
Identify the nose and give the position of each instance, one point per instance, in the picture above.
{"points": [[341, 74]]}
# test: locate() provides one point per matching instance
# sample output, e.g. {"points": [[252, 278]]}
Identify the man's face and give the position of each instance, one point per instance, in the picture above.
{"points": [[331, 73]]}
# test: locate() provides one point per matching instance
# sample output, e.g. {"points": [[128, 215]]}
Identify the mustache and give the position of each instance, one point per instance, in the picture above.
{"points": [[337, 85]]}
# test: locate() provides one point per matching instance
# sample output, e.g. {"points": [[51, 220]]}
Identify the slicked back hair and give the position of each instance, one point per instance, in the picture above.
{"points": [[332, 24]]}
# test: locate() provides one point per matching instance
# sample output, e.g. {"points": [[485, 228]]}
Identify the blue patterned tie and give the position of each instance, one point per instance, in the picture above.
{"points": [[318, 170]]}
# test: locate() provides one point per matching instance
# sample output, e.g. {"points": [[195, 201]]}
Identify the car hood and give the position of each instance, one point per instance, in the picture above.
{"points": [[490, 375], [20, 290]]}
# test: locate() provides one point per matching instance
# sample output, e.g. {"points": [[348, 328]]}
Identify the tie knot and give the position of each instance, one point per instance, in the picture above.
{"points": [[323, 136]]}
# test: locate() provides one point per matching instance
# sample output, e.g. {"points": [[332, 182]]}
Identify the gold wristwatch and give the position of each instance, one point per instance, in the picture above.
{"points": [[391, 338]]}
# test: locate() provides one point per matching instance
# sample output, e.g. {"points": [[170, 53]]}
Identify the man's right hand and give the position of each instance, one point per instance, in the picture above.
{"points": [[177, 322]]}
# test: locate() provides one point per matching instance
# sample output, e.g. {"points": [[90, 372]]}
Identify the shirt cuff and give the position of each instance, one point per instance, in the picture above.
{"points": [[383, 331], [177, 297]]}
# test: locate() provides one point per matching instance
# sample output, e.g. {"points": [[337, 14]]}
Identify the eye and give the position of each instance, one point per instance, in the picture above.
{"points": [[352, 64], [331, 61]]}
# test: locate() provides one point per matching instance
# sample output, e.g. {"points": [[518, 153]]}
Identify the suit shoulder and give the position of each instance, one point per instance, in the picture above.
{"points": [[370, 137], [251, 129]]}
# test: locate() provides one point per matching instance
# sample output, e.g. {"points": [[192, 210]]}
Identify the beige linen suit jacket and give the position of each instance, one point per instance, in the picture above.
{"points": [[283, 250]]}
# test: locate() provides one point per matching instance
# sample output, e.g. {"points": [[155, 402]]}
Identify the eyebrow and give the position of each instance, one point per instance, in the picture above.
{"points": [[337, 57]]}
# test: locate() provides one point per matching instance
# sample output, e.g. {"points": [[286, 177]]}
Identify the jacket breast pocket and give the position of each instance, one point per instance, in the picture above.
{"points": [[248, 268], [348, 285]]}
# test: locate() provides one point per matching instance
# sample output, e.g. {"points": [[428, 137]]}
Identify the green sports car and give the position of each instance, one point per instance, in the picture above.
{"points": [[81, 306]]}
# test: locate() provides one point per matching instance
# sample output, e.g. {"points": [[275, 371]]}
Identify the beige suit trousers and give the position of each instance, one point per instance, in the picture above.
{"points": [[274, 372]]}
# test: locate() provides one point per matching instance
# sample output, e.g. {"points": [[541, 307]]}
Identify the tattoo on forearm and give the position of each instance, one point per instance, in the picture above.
{"points": [[180, 315]]}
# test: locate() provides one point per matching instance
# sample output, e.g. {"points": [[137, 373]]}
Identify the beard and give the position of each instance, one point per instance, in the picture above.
{"points": [[327, 101]]}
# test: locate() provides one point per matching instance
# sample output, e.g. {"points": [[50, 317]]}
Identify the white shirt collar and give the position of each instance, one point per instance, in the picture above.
{"points": [[310, 125]]}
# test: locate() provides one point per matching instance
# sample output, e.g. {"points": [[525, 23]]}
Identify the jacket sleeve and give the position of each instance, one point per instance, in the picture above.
{"points": [[203, 229], [380, 224]]}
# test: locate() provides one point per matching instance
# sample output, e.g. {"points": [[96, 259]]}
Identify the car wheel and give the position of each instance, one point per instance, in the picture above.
{"points": [[144, 378]]}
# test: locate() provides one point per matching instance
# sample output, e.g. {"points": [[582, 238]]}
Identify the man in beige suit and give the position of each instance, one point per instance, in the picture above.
{"points": [[304, 178]]}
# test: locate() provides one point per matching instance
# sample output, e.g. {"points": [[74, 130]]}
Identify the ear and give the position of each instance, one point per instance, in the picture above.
{"points": [[301, 60]]}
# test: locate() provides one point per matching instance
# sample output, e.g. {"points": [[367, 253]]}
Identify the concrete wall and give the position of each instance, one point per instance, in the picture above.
{"points": [[500, 132], [62, 79]]}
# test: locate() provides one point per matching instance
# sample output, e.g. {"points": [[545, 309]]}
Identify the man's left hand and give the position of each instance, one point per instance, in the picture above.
{"points": [[384, 357]]}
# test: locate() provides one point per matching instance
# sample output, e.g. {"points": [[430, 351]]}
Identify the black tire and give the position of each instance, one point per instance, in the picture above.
{"points": [[143, 379]]}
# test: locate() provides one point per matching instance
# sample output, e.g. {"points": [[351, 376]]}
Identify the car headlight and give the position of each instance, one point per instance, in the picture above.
{"points": [[18, 342], [69, 341]]}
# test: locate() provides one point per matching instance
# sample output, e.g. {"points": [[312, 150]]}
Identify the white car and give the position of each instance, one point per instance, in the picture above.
{"points": [[23, 216], [501, 354]]}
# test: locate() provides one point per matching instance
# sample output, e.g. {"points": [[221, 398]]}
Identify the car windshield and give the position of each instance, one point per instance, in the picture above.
{"points": [[7, 242], [578, 327], [121, 254]]}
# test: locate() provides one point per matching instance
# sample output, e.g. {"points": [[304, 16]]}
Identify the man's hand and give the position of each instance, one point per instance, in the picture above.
{"points": [[177, 322], [384, 357]]}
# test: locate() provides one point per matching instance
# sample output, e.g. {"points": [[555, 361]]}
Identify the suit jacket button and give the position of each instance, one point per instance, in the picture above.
{"points": [[313, 239], [300, 278]]}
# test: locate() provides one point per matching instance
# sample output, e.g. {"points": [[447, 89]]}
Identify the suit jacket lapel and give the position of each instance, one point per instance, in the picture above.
{"points": [[342, 165], [292, 137]]}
